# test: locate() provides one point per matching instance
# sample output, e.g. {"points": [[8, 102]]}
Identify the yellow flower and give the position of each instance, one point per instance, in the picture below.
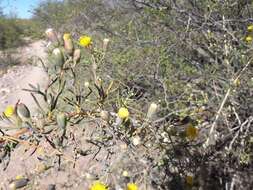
{"points": [[66, 36], [132, 186], [248, 39], [250, 28], [237, 82], [123, 113], [9, 111], [98, 186], [191, 132], [85, 41], [189, 180], [19, 177]]}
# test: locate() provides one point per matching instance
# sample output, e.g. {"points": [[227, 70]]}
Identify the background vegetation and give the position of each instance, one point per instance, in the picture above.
{"points": [[189, 57]]}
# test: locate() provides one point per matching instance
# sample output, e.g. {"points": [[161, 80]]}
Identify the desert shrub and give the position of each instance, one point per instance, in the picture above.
{"points": [[13, 31], [10, 33]]}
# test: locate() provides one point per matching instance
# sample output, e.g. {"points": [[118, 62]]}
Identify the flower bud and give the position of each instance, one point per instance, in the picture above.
{"points": [[105, 43], [51, 35], [68, 43], [237, 82], [58, 57], [61, 120], [22, 111], [87, 84], [136, 140], [18, 183], [152, 110]]}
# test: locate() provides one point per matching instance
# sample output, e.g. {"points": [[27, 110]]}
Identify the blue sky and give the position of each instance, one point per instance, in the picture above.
{"points": [[20, 7]]}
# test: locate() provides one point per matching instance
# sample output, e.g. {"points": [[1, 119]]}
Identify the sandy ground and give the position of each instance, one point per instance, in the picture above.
{"points": [[19, 77]]}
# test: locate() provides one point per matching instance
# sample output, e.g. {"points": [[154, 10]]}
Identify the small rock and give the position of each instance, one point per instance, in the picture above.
{"points": [[51, 187]]}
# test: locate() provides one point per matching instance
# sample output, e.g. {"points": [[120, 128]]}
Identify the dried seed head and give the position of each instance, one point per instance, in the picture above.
{"points": [[105, 115], [77, 55], [105, 43], [136, 140], [51, 35], [152, 110]]}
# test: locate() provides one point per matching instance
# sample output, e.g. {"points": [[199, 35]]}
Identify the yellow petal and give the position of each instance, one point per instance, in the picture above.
{"points": [[132, 186], [9, 111], [248, 39], [123, 113], [98, 186], [85, 41], [250, 28]]}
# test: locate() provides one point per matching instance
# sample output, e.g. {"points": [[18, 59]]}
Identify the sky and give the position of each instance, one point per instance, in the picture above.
{"points": [[19, 7]]}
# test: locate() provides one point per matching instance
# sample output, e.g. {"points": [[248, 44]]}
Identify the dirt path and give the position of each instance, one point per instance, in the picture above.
{"points": [[19, 77]]}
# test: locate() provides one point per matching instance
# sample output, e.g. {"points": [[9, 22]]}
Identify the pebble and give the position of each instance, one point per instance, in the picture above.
{"points": [[4, 90], [51, 187]]}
